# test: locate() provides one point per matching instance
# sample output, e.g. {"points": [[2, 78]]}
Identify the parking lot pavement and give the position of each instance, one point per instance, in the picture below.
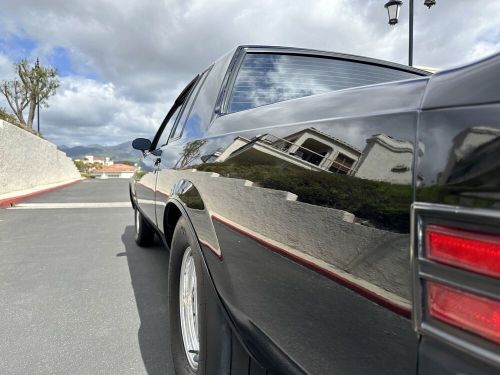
{"points": [[78, 296]]}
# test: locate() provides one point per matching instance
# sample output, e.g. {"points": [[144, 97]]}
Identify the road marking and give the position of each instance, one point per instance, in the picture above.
{"points": [[38, 206]]}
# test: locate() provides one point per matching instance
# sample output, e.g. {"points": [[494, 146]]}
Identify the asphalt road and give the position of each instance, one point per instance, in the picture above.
{"points": [[77, 295]]}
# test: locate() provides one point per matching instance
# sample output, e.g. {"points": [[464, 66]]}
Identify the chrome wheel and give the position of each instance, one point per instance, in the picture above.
{"points": [[188, 308]]}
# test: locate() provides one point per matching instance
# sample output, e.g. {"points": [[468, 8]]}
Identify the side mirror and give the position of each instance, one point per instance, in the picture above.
{"points": [[141, 144]]}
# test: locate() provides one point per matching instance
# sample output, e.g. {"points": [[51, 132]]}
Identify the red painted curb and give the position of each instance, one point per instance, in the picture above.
{"points": [[9, 202]]}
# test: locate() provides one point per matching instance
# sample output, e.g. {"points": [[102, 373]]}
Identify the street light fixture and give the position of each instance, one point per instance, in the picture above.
{"points": [[429, 3], [392, 7], [393, 11]]}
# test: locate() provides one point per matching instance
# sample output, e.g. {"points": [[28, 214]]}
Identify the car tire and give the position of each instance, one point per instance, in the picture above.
{"points": [[183, 249], [144, 233]]}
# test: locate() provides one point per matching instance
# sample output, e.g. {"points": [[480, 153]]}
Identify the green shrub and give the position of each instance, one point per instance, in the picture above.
{"points": [[4, 115], [382, 204]]}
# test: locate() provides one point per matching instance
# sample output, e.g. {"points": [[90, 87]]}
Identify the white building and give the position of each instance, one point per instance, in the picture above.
{"points": [[115, 171], [90, 159]]}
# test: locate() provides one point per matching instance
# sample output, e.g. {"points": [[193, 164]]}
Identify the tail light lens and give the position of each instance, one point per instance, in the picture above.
{"points": [[473, 251], [467, 311], [456, 265]]}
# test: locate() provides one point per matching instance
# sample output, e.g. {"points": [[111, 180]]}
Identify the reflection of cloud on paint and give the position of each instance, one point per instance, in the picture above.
{"points": [[437, 143], [194, 127]]}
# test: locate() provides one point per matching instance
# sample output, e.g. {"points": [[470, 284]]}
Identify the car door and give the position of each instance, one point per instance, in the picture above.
{"points": [[169, 150], [146, 185]]}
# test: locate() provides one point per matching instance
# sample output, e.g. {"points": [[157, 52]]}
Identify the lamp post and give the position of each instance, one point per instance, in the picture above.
{"points": [[393, 7], [37, 66]]}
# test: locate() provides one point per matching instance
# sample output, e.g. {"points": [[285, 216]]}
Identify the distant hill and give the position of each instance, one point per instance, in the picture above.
{"points": [[122, 151]]}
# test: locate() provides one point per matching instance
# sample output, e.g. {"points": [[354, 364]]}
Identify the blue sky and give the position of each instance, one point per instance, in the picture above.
{"points": [[121, 62], [17, 46]]}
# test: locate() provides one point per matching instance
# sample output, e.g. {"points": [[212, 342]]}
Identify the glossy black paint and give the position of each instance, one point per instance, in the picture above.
{"points": [[308, 249], [460, 128]]}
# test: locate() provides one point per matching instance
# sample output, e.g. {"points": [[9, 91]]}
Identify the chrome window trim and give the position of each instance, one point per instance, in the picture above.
{"points": [[228, 90], [228, 78]]}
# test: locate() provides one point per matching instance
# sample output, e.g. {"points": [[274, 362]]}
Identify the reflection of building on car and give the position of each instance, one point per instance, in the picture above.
{"points": [[467, 150], [383, 158]]}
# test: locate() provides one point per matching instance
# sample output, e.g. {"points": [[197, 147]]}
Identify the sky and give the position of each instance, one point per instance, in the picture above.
{"points": [[121, 63]]}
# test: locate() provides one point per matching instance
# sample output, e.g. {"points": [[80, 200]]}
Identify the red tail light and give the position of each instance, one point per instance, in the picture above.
{"points": [[473, 251], [470, 312]]}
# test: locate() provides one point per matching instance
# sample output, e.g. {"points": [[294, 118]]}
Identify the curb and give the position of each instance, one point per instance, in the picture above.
{"points": [[9, 202]]}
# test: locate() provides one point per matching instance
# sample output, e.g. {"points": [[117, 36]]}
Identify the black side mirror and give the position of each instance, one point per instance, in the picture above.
{"points": [[141, 144]]}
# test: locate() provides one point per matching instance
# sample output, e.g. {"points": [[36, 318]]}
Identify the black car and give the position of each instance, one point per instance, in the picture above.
{"points": [[328, 214]]}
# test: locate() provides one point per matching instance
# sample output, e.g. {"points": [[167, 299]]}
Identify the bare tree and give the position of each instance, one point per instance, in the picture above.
{"points": [[34, 84]]}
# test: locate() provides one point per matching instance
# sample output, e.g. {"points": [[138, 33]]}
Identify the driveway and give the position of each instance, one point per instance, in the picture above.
{"points": [[78, 296]]}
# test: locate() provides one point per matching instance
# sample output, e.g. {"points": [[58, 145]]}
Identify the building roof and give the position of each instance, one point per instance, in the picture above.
{"points": [[116, 168]]}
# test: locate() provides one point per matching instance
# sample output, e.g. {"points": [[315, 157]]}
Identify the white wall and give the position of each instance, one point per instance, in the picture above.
{"points": [[28, 161], [104, 175]]}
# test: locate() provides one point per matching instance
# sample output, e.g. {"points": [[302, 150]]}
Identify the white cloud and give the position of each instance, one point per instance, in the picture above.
{"points": [[85, 111], [6, 68], [144, 51]]}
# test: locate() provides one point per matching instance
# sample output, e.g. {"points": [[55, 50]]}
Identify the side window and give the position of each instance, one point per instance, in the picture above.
{"points": [[265, 78], [188, 108], [162, 135], [168, 127]]}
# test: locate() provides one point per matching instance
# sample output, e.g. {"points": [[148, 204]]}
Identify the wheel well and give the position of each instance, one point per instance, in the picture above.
{"points": [[172, 215], [131, 194], [131, 197]]}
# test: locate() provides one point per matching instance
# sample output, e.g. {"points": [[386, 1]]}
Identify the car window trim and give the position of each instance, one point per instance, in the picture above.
{"points": [[227, 82]]}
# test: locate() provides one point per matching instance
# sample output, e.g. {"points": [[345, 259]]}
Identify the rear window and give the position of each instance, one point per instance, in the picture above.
{"points": [[270, 78]]}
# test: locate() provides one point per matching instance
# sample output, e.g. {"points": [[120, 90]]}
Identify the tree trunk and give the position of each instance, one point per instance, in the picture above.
{"points": [[31, 113], [20, 117]]}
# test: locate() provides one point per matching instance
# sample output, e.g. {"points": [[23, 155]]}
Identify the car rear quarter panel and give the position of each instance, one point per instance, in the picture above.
{"points": [[311, 262], [460, 129]]}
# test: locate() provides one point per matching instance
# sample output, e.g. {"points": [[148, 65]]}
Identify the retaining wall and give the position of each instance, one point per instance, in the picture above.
{"points": [[28, 161], [378, 256]]}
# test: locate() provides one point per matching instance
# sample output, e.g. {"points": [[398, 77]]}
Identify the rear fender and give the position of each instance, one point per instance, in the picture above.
{"points": [[243, 334], [179, 188]]}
